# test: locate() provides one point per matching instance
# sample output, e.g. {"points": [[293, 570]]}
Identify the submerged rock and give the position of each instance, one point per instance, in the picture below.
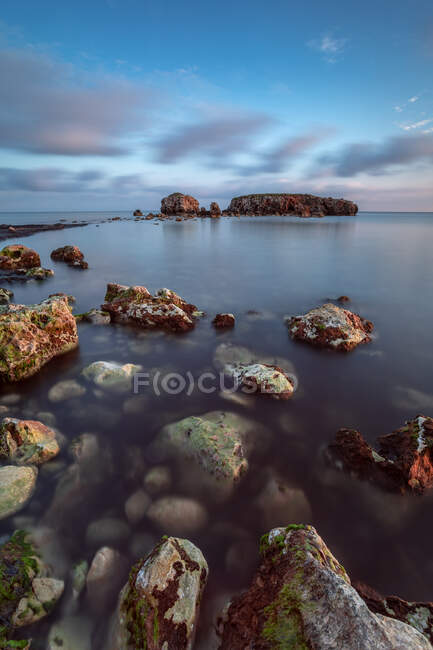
{"points": [[278, 501], [17, 256], [32, 335], [71, 255], [332, 327], [224, 320], [64, 390], [109, 531], [110, 375], [136, 506], [301, 597], [16, 488], [159, 605], [71, 633], [177, 515], [179, 204], [404, 461], [96, 317], [136, 305], [27, 441], [105, 577], [5, 296], [157, 479]]}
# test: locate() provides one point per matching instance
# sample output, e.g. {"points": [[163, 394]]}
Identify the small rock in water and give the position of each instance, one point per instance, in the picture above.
{"points": [[16, 488], [110, 375], [97, 317], [108, 531], [279, 502], [224, 320], [5, 296], [177, 515], [27, 442], [64, 390], [105, 577], [157, 479], [136, 506]]}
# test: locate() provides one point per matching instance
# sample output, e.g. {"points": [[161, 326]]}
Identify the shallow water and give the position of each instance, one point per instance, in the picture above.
{"points": [[275, 266]]}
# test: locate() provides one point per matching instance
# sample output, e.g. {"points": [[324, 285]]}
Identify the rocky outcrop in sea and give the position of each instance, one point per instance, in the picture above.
{"points": [[302, 205]]}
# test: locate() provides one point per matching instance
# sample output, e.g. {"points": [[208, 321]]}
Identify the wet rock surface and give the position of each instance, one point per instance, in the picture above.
{"points": [[332, 327], [302, 205], [32, 335]]}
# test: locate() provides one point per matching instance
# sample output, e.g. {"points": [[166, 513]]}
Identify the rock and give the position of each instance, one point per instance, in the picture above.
{"points": [[71, 255], [70, 633], [177, 515], [159, 605], [27, 442], [38, 273], [303, 205], [278, 501], [224, 320], [71, 299], [343, 299], [301, 597], [78, 578], [228, 357], [136, 305], [96, 317], [137, 213], [31, 591], [105, 577], [179, 204], [419, 615], [264, 380], [64, 390], [108, 531], [332, 327], [5, 296], [33, 335], [157, 479], [111, 376], [17, 256], [136, 506], [16, 488], [215, 210], [404, 462]]}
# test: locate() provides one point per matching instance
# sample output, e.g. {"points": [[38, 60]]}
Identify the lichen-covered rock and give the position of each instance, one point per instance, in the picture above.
{"points": [[332, 327], [224, 320], [5, 296], [178, 204], [17, 256], [404, 461], [301, 597], [16, 488], [303, 205], [38, 273], [136, 305], [28, 591], [264, 380], [159, 606], [71, 255], [27, 442], [177, 515], [110, 375], [32, 335]]}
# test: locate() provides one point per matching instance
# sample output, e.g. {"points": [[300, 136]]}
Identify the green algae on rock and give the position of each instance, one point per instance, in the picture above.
{"points": [[38, 273], [17, 256], [32, 335], [16, 488], [27, 442], [159, 606]]}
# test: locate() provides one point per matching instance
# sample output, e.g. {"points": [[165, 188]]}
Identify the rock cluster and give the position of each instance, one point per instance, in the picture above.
{"points": [[302, 205], [71, 255]]}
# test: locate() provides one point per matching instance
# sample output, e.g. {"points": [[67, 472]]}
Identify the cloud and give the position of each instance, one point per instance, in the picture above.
{"points": [[415, 125], [331, 48], [377, 158], [399, 109], [50, 107], [413, 99]]}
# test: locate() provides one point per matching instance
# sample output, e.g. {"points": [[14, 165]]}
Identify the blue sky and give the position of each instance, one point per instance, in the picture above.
{"points": [[111, 104]]}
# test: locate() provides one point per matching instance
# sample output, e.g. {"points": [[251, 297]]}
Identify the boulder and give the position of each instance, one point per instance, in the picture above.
{"points": [[136, 506], [18, 256], [159, 605], [137, 213], [16, 488], [177, 515], [301, 597], [224, 320], [157, 479], [32, 335], [27, 442], [331, 327], [302, 205], [403, 463], [5, 296], [111, 376], [179, 204], [71, 255], [136, 305]]}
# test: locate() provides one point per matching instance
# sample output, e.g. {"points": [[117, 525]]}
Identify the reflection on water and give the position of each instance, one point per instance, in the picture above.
{"points": [[275, 266]]}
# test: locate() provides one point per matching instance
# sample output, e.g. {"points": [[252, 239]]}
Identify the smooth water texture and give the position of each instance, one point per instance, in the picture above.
{"points": [[273, 267]]}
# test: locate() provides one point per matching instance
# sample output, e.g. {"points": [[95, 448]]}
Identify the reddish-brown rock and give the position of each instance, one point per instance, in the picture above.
{"points": [[224, 320], [179, 204], [71, 255], [18, 256], [215, 210], [303, 205]]}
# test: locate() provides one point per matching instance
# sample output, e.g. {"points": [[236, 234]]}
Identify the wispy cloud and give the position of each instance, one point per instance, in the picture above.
{"points": [[331, 48], [413, 99], [415, 125]]}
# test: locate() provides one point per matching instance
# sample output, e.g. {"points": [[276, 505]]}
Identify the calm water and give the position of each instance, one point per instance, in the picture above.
{"points": [[275, 266]]}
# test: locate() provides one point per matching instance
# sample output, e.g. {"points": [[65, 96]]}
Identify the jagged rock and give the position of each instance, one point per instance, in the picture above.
{"points": [[136, 305], [71, 255], [332, 327], [179, 204], [110, 375], [303, 205], [18, 256], [224, 320], [5, 296], [27, 442], [16, 488], [159, 605], [32, 335], [301, 597], [177, 515], [64, 390], [38, 273], [215, 210], [403, 463]]}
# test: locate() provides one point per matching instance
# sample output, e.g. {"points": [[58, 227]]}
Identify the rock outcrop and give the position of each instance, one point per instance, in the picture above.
{"points": [[39, 273], [302, 205], [403, 462], [71, 255], [332, 327], [18, 256], [179, 204], [301, 597], [214, 210], [136, 305], [159, 605], [32, 335], [27, 442]]}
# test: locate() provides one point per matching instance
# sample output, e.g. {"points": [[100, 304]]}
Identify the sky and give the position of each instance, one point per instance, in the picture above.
{"points": [[113, 104]]}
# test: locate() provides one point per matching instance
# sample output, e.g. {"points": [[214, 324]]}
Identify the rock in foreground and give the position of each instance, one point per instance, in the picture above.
{"points": [[159, 605], [136, 305], [332, 327], [404, 462], [302, 205], [179, 204], [32, 335], [301, 597], [18, 256], [27, 441]]}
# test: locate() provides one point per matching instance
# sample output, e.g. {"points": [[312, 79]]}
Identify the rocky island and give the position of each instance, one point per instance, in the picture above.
{"points": [[302, 205]]}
